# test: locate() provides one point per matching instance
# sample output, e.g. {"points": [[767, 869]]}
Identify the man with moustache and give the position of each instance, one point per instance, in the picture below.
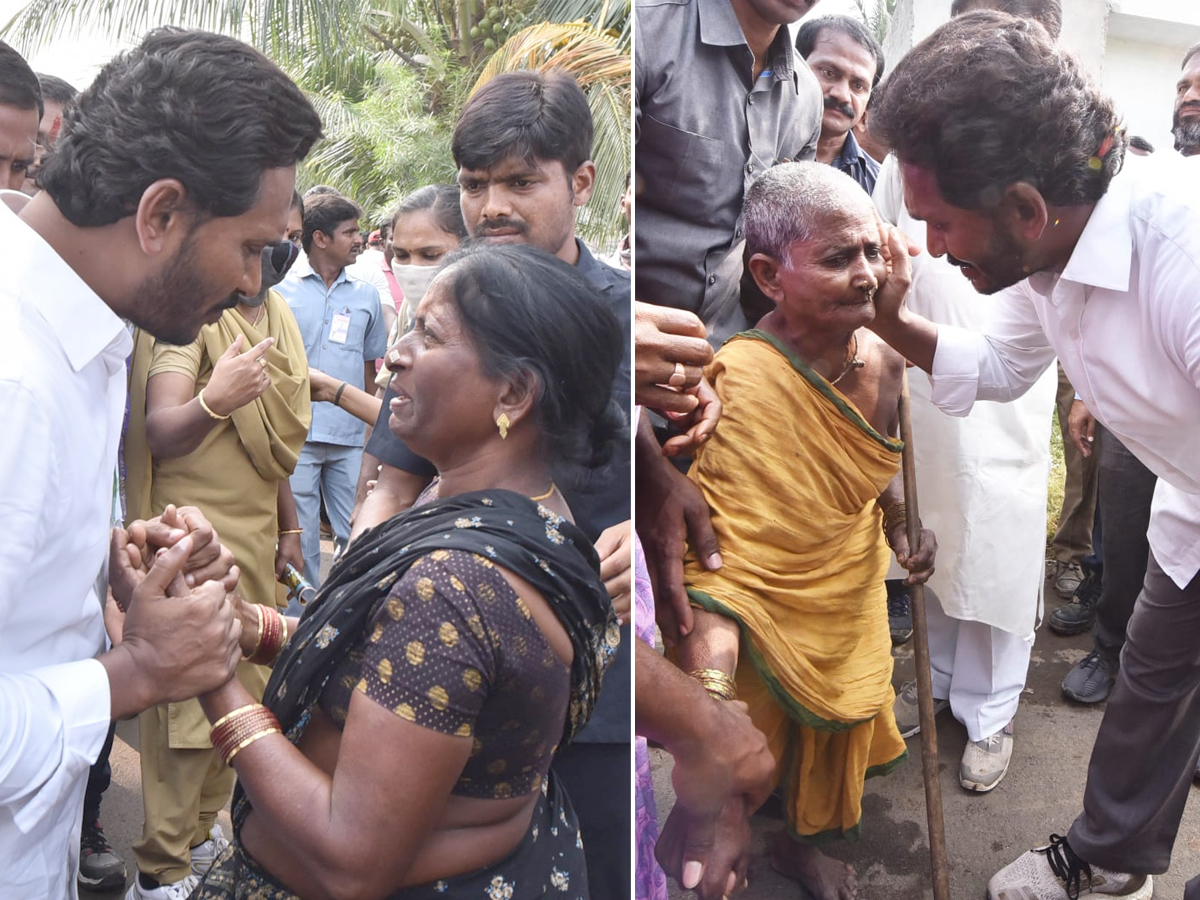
{"points": [[341, 320], [1098, 258], [523, 145], [1186, 124], [146, 214], [848, 63]]}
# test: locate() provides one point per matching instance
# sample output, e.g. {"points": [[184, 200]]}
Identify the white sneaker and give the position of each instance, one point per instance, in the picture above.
{"points": [[179, 890], [985, 763], [204, 855], [1054, 872]]}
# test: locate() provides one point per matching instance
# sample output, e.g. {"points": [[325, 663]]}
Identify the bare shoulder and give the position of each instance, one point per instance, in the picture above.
{"points": [[873, 350]]}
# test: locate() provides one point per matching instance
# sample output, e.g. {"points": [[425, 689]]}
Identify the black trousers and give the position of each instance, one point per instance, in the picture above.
{"points": [[599, 781], [99, 778]]}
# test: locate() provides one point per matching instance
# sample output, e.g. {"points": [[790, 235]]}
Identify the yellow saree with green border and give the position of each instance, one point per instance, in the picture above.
{"points": [[792, 476]]}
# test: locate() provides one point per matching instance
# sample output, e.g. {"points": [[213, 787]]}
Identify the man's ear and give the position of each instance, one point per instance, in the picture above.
{"points": [[1024, 211], [163, 217], [320, 239], [765, 270], [583, 182], [518, 395]]}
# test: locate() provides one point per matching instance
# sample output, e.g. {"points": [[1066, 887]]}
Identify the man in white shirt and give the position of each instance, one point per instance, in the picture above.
{"points": [[148, 213], [1009, 153]]}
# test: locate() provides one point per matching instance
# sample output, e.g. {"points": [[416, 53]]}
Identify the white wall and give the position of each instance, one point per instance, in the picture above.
{"points": [[1141, 80]]}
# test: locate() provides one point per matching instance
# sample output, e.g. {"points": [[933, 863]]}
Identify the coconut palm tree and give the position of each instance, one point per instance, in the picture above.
{"points": [[390, 76]]}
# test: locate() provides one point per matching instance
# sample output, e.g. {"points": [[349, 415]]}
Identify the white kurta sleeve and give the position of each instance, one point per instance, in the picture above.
{"points": [[1001, 364], [53, 720]]}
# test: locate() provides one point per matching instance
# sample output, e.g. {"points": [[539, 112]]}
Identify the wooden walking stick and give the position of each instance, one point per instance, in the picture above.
{"points": [[929, 748]]}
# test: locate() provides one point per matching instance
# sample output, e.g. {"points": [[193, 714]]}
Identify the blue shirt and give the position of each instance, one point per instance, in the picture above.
{"points": [[343, 329], [854, 161]]}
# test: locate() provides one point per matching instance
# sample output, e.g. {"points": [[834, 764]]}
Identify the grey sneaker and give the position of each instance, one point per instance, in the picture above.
{"points": [[1090, 679], [204, 855], [176, 890], [908, 719], [99, 868], [1054, 872], [1067, 576], [984, 763]]}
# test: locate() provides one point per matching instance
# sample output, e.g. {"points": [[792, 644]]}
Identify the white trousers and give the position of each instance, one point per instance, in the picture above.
{"points": [[979, 668]]}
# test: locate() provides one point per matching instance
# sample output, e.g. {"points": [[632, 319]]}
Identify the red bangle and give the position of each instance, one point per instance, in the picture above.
{"points": [[241, 728], [273, 634]]}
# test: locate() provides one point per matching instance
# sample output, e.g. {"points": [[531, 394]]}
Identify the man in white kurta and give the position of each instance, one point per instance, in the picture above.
{"points": [[982, 484]]}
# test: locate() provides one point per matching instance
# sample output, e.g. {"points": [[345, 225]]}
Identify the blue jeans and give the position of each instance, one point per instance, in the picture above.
{"points": [[328, 471]]}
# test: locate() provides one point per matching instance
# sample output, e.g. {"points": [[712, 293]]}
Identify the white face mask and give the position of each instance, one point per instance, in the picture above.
{"points": [[414, 281]]}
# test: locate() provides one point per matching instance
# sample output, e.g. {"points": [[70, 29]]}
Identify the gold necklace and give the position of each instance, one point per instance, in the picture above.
{"points": [[262, 311], [852, 363], [553, 488]]}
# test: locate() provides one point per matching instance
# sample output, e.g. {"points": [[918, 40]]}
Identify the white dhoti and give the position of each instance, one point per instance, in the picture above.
{"points": [[982, 483]]}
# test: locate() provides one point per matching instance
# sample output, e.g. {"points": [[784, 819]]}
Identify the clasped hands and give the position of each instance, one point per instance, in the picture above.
{"points": [[170, 581]]}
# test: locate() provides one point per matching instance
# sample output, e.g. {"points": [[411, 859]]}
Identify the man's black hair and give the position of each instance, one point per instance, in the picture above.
{"points": [[18, 85], [1137, 142], [1047, 13], [54, 88], [202, 108], [324, 213], [810, 33], [529, 115]]}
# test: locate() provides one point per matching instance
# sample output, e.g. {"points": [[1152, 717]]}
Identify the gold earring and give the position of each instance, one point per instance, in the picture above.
{"points": [[502, 423]]}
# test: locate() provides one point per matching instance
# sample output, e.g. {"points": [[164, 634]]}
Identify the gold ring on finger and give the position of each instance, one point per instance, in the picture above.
{"points": [[678, 378]]}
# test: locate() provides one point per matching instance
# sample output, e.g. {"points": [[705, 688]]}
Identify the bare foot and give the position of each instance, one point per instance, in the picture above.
{"points": [[825, 878]]}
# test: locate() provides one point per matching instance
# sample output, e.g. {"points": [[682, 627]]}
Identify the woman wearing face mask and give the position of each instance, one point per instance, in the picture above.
{"points": [[427, 225]]}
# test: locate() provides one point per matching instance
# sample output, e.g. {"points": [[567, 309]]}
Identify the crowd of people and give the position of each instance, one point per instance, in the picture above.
{"points": [[196, 356], [980, 212], [203, 367]]}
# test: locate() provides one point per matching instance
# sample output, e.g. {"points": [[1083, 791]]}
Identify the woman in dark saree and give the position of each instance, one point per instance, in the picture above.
{"points": [[453, 648]]}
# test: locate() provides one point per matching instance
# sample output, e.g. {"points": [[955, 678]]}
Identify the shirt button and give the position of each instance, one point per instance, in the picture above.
{"points": [[712, 279], [749, 168], [737, 232], [750, 100]]}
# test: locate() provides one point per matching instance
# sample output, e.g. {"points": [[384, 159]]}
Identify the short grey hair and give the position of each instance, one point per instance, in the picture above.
{"points": [[788, 203]]}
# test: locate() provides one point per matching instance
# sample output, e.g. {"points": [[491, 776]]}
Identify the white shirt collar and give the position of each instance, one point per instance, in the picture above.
{"points": [[1103, 255], [83, 323]]}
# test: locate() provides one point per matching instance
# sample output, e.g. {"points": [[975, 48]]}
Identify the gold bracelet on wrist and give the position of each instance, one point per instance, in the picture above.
{"points": [[258, 639], [719, 685], [283, 531], [234, 751], [208, 409]]}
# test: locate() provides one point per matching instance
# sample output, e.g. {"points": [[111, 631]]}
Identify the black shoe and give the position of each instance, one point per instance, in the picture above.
{"points": [[1077, 616], [899, 613], [1091, 679], [99, 868]]}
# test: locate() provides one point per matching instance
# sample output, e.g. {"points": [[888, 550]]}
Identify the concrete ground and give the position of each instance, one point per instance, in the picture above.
{"points": [[1041, 794]]}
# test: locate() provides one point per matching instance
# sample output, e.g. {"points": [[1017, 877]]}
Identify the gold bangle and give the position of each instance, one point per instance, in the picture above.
{"points": [[229, 715], [208, 409], [248, 741], [258, 639], [719, 685], [284, 531]]}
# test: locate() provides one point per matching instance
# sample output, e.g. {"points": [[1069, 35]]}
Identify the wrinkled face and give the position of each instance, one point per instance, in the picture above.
{"points": [[828, 282], [519, 201], [295, 227], [989, 256], [219, 262], [444, 402], [844, 69], [782, 12], [1186, 124], [343, 246], [418, 240], [18, 144]]}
